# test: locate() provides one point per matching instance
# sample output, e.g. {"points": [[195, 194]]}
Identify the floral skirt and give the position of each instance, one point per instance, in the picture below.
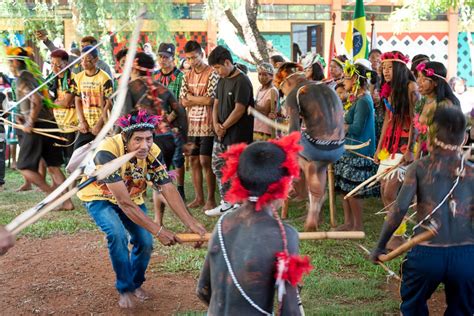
{"points": [[351, 170]]}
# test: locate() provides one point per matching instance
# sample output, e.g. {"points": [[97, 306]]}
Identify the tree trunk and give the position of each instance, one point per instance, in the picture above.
{"points": [[251, 8], [255, 48]]}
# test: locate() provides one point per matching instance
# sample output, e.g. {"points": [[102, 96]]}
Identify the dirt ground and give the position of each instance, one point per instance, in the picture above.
{"points": [[72, 275], [436, 304]]}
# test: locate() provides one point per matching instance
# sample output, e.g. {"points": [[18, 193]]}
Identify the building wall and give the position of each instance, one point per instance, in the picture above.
{"points": [[464, 62], [446, 44]]}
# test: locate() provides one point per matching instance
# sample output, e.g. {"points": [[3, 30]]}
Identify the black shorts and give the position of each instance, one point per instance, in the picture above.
{"points": [[82, 139], [68, 147], [202, 145], [167, 147], [33, 147]]}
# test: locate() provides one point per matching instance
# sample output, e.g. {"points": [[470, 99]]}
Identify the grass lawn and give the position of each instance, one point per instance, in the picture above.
{"points": [[343, 280]]}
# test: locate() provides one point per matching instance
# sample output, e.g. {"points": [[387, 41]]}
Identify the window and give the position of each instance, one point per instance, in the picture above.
{"points": [[294, 12], [382, 13], [188, 11]]}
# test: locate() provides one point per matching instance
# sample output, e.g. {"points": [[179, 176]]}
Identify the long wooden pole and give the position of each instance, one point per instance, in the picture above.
{"points": [[332, 196], [189, 237], [424, 236], [35, 130], [372, 32]]}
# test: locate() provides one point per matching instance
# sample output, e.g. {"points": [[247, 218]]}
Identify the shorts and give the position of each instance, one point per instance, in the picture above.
{"points": [[33, 147], [320, 152], [178, 157], [202, 145], [67, 147], [82, 139], [167, 146]]}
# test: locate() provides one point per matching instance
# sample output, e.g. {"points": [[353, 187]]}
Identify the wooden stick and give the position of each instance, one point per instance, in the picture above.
{"points": [[188, 237], [284, 209], [358, 146], [387, 269], [427, 235], [332, 196], [383, 175], [32, 215], [375, 177], [35, 130], [360, 155], [259, 116]]}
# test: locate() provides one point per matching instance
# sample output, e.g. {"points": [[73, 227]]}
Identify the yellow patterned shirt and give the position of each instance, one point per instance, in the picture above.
{"points": [[65, 117], [93, 91], [134, 173]]}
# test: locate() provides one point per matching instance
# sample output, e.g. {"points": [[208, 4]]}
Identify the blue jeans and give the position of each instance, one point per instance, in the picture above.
{"points": [[129, 269]]}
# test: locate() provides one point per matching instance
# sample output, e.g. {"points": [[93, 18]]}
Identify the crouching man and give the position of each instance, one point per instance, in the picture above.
{"points": [[117, 206]]}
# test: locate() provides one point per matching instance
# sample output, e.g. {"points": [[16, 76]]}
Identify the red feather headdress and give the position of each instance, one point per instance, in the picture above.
{"points": [[288, 268], [277, 190]]}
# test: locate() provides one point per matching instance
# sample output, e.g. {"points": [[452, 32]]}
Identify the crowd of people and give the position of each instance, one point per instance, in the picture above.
{"points": [[387, 116]]}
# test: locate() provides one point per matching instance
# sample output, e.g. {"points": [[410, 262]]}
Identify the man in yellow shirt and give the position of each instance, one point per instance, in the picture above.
{"points": [[93, 87], [116, 204], [62, 90]]}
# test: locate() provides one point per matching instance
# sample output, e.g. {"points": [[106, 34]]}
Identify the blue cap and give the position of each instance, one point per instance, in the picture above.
{"points": [[93, 51]]}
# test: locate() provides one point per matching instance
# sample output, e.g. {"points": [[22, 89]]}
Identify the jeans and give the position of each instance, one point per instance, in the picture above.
{"points": [[2, 154], [129, 268], [217, 163]]}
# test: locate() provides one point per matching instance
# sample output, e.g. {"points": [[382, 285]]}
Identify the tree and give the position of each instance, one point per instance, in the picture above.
{"points": [[238, 28], [92, 17]]}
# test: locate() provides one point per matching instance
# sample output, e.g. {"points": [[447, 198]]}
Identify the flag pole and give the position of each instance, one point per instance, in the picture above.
{"points": [[372, 31], [332, 47]]}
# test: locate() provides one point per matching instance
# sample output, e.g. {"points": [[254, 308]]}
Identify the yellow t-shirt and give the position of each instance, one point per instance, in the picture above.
{"points": [[93, 90], [65, 117], [134, 173]]}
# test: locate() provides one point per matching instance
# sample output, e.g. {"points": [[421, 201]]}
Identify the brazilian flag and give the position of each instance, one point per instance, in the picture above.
{"points": [[359, 35]]}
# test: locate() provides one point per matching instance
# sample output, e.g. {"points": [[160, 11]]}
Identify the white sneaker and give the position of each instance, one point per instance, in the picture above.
{"points": [[221, 209]]}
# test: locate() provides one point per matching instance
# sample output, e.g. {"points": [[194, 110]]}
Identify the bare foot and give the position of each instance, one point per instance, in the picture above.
{"points": [[24, 187], [209, 205], [141, 294], [310, 225], [343, 228], [126, 300], [67, 206], [196, 203]]}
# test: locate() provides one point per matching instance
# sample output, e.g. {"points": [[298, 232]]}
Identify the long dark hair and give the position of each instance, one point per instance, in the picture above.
{"points": [[401, 77], [443, 90], [317, 72], [364, 72]]}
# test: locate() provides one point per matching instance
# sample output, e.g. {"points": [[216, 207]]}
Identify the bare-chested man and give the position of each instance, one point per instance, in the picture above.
{"points": [[241, 254], [323, 137], [443, 184]]}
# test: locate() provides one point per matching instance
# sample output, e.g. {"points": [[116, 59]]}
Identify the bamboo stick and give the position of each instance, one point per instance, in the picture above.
{"points": [[189, 237], [387, 269], [427, 235], [284, 209], [35, 130], [332, 196]]}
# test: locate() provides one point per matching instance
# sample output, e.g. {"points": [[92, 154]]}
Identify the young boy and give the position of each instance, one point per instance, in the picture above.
{"points": [[240, 272], [443, 183]]}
